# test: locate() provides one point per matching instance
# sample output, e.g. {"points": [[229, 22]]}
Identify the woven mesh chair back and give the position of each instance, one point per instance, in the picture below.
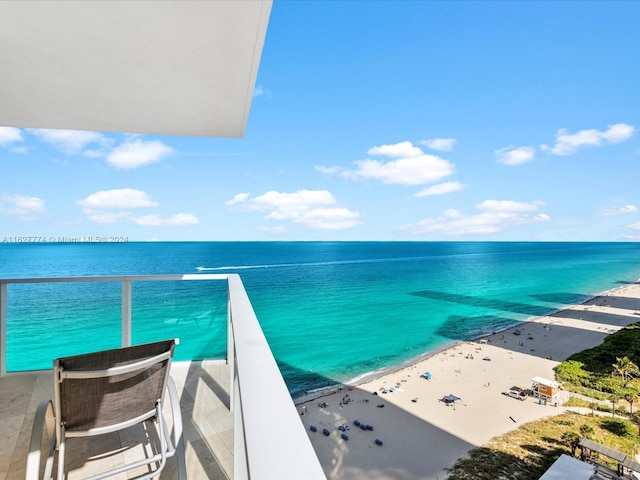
{"points": [[100, 402]]}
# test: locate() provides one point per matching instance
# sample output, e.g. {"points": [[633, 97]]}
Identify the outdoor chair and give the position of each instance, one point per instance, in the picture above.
{"points": [[109, 391]]}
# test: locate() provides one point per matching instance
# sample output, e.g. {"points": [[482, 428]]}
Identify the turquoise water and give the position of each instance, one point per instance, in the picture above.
{"points": [[331, 311]]}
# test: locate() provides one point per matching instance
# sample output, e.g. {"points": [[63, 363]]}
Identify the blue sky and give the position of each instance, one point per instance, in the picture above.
{"points": [[383, 120]]}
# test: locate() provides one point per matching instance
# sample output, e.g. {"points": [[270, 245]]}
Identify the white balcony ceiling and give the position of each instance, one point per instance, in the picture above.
{"points": [[165, 67]]}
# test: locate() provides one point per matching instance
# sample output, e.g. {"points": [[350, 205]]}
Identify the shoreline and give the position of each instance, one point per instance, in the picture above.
{"points": [[421, 435], [315, 393]]}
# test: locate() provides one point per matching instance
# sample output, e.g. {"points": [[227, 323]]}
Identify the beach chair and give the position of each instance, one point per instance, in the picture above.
{"points": [[105, 392]]}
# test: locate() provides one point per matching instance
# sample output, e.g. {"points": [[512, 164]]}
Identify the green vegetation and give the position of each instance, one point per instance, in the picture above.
{"points": [[607, 372], [609, 376], [594, 406], [526, 453]]}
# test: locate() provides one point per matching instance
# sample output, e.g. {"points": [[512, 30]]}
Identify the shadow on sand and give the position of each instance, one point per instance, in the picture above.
{"points": [[410, 449], [413, 448]]}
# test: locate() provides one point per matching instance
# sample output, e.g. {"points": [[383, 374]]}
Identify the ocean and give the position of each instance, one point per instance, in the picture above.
{"points": [[331, 311]]}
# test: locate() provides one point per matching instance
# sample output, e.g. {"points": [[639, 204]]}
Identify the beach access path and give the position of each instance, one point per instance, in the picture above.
{"points": [[421, 435]]}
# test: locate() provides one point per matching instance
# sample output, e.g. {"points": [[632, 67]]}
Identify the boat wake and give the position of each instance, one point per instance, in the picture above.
{"points": [[236, 267], [310, 264]]}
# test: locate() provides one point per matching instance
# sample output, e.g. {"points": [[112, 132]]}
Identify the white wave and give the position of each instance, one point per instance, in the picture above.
{"points": [[236, 267], [311, 264]]}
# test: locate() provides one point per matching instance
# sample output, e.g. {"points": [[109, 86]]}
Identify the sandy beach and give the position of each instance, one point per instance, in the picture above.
{"points": [[420, 435]]}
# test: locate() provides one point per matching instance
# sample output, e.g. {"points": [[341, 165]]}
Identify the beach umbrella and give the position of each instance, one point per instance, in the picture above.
{"points": [[451, 398], [426, 375]]}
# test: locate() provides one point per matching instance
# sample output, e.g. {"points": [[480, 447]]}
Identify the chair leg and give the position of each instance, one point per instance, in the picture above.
{"points": [[61, 451], [177, 434], [44, 418], [182, 466]]}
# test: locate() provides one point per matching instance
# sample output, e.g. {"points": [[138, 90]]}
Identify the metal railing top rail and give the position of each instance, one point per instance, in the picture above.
{"points": [[271, 421], [117, 278]]}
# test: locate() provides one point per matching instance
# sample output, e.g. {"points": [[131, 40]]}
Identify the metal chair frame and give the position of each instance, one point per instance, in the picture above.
{"points": [[125, 370]]}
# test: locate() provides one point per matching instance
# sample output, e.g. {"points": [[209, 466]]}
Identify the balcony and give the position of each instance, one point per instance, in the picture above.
{"points": [[240, 421]]}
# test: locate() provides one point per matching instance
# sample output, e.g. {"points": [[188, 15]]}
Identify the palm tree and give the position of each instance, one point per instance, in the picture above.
{"points": [[614, 399], [626, 369], [631, 397]]}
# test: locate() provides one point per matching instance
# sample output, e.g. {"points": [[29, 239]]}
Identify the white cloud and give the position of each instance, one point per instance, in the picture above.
{"points": [[452, 213], [118, 199], [132, 153], [495, 216], [21, 205], [410, 166], [515, 155], [10, 135], [300, 200], [177, 220], [568, 144], [93, 153], [71, 141], [330, 170], [618, 133], [315, 209], [106, 216], [508, 206], [440, 144], [137, 153], [260, 90], [634, 226], [398, 150], [405, 171], [319, 218], [239, 198], [440, 189], [610, 211], [110, 206]]}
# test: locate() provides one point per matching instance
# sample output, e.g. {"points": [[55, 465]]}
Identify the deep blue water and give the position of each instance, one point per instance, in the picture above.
{"points": [[331, 311]]}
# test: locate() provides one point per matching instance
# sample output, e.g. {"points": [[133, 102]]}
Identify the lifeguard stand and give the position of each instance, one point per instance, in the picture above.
{"points": [[547, 391]]}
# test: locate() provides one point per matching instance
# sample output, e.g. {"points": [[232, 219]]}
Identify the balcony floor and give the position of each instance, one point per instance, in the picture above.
{"points": [[208, 424]]}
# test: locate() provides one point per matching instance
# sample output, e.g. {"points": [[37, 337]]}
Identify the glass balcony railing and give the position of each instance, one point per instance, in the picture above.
{"points": [[114, 311]]}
